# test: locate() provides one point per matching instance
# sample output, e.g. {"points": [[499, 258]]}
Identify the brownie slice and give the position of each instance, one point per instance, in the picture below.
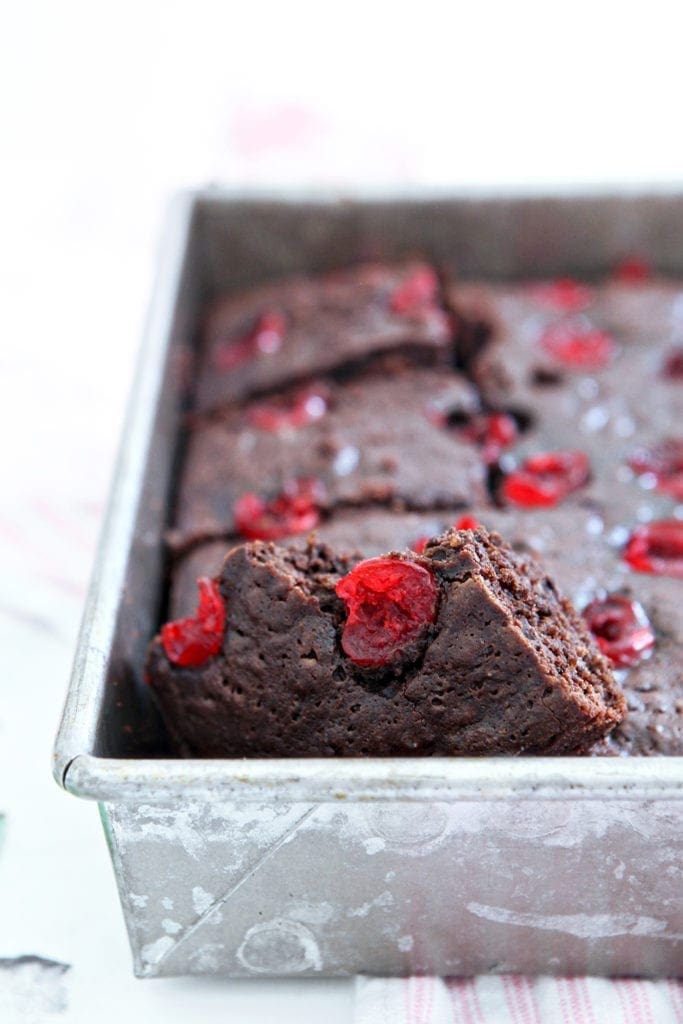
{"points": [[292, 330], [381, 442], [503, 666], [582, 551], [581, 376]]}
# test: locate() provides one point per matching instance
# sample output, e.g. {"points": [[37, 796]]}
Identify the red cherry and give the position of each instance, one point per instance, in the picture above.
{"points": [[466, 523], [389, 603], [416, 293], [546, 479], [564, 294], [295, 510], [673, 364], [632, 270], [575, 345], [269, 332], [264, 338], [621, 629], [192, 641], [494, 431], [307, 407], [657, 548], [664, 462]]}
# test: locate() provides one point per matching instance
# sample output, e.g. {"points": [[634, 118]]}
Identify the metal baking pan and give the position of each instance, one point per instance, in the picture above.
{"points": [[334, 867]]}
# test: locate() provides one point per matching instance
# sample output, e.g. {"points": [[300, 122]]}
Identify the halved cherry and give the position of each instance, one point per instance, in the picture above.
{"points": [[578, 345], [306, 407], [657, 548], [192, 641], [295, 510], [673, 364], [563, 294], [663, 462], [621, 629], [632, 270], [494, 431], [546, 479], [263, 338], [389, 602], [417, 292]]}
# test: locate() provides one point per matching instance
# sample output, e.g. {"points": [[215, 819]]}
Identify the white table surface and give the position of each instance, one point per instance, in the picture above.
{"points": [[104, 112]]}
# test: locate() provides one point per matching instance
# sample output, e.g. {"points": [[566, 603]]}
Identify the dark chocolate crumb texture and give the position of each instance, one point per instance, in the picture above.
{"points": [[374, 410]]}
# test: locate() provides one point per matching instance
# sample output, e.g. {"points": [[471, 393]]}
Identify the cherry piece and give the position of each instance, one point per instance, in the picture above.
{"points": [[632, 270], [389, 602], [621, 629], [466, 523], [546, 479], [572, 345], [264, 338], [307, 407], [192, 641], [293, 511], [463, 523], [564, 294], [657, 548], [664, 463], [494, 431], [416, 293], [673, 364]]}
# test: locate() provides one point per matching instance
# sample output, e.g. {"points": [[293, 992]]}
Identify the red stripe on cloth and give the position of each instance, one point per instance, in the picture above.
{"points": [[420, 999], [622, 1002], [457, 994], [563, 997], [517, 996], [586, 999], [407, 995], [429, 998], [676, 994], [510, 998], [531, 992], [576, 1002], [630, 1003], [413, 999], [476, 1005], [640, 994], [462, 993]]}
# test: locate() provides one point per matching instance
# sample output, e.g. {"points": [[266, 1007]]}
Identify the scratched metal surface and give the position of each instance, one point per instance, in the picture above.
{"points": [[328, 868]]}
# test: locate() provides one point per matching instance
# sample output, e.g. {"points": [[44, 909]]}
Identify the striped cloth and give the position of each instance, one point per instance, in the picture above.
{"points": [[513, 999]]}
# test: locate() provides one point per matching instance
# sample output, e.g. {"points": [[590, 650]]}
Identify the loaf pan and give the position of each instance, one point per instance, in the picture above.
{"points": [[382, 866]]}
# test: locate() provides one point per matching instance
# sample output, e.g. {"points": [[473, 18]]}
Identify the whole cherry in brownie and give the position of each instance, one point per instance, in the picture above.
{"points": [[273, 336], [465, 649]]}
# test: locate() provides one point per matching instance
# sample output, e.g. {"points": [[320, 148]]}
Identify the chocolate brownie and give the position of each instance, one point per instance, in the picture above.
{"points": [[378, 441], [466, 649], [335, 406], [292, 330]]}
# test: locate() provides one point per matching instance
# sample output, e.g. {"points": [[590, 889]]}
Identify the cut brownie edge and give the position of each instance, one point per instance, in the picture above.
{"points": [[593, 701]]}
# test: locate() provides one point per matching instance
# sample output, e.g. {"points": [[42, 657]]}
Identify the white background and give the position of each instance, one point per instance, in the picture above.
{"points": [[104, 111]]}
